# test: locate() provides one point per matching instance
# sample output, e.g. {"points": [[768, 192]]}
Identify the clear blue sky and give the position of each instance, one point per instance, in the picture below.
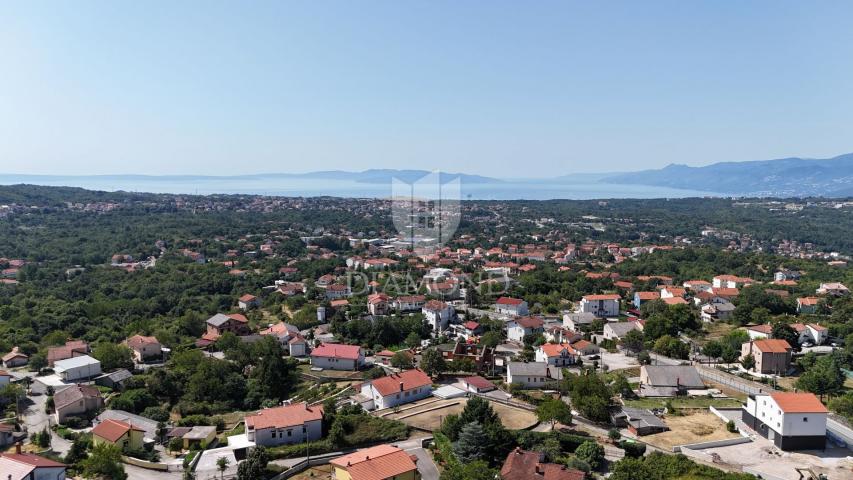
{"points": [[497, 88]]}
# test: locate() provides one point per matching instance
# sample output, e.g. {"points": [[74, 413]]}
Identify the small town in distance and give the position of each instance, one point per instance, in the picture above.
{"points": [[313, 340]]}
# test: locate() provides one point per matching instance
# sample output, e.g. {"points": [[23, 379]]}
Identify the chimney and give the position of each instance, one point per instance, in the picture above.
{"points": [[401, 386]]}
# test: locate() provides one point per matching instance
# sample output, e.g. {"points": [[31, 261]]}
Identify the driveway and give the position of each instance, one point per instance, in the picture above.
{"points": [[36, 420], [137, 473], [426, 466]]}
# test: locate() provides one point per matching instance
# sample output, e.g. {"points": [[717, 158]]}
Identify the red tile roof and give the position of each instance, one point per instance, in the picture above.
{"points": [[138, 341], [286, 416], [247, 297], [112, 430], [524, 465], [479, 382], [529, 322], [675, 301], [509, 301], [32, 460], [337, 350], [239, 317], [648, 295], [772, 345], [555, 350], [791, 402], [409, 379], [593, 298], [376, 463]]}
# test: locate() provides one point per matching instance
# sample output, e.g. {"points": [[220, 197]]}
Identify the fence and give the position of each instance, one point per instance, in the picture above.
{"points": [[732, 381]]}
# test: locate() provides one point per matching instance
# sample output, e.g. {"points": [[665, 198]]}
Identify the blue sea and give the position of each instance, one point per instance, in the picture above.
{"points": [[301, 187]]}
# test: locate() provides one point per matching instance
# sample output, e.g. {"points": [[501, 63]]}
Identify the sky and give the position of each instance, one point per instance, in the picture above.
{"points": [[499, 88]]}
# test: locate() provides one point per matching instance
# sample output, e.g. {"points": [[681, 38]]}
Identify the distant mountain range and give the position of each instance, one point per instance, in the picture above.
{"points": [[786, 177], [797, 177]]}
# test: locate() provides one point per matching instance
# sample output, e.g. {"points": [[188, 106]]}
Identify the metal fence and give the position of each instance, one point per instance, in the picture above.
{"points": [[732, 381]]}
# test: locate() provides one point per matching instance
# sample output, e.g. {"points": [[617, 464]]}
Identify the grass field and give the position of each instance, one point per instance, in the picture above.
{"points": [[697, 402]]}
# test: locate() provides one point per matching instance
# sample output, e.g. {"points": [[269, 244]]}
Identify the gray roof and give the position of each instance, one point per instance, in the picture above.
{"points": [[581, 317], [535, 369], [117, 376], [621, 328], [73, 362], [199, 433], [639, 417], [218, 320], [685, 376], [73, 394], [150, 426]]}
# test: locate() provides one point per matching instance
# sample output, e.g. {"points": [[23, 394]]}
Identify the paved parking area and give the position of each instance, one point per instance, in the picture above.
{"points": [[762, 457], [617, 361]]}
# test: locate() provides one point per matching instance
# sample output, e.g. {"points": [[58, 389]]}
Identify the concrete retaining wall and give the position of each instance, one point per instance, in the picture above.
{"points": [[144, 464], [712, 444]]}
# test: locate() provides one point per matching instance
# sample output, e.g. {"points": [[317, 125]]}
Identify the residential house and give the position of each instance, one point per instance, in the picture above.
{"points": [[792, 421], [532, 374], [289, 337], [396, 389], [28, 466], [409, 303], [150, 428], [220, 323], [482, 356], [756, 332], [382, 462], [5, 379], [15, 358], [585, 347], [336, 356], [771, 355], [77, 368], [477, 384], [716, 311], [8, 435], [527, 465], [598, 306], [467, 330], [697, 285], [731, 281], [672, 292], [336, 291], [517, 328], [145, 348], [561, 334], [617, 330], [115, 380], [198, 437], [248, 302], [638, 421], [811, 333], [511, 306], [438, 315], [76, 401], [642, 297], [835, 289], [378, 304], [807, 305], [557, 355], [289, 424], [785, 274], [122, 434], [72, 348], [668, 380], [579, 321]]}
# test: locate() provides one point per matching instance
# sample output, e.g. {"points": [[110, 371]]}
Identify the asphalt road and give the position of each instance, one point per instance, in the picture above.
{"points": [[37, 420]]}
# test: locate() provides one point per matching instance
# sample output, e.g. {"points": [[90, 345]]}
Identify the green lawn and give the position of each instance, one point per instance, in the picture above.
{"points": [[698, 402]]}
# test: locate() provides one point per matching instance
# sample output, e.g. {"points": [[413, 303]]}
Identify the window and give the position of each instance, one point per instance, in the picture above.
{"points": [[290, 433], [805, 419]]}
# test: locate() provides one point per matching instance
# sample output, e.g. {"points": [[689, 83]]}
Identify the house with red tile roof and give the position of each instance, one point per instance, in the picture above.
{"points": [[756, 332], [288, 424], [771, 355], [557, 354], [382, 462], [477, 384], [395, 389], [526, 465], [731, 281], [438, 315], [517, 328], [378, 304], [606, 305], [807, 305], [642, 297], [811, 333], [72, 348], [337, 356], [792, 421], [144, 348], [122, 434], [27, 466], [248, 302], [511, 306], [15, 358]]}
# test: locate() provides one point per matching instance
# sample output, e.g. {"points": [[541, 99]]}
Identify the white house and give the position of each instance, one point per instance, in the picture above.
{"points": [[731, 281], [834, 288], [807, 305], [295, 423], [617, 330], [757, 332], [577, 320], [395, 389], [27, 466], [438, 315], [409, 303], [532, 374], [248, 301], [336, 356], [511, 306], [335, 291], [77, 368], [792, 421], [811, 333], [517, 328], [557, 355], [477, 384], [600, 305]]}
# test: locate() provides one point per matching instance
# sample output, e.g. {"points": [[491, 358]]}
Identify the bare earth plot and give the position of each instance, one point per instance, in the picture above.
{"points": [[320, 472], [694, 428], [428, 414], [763, 457]]}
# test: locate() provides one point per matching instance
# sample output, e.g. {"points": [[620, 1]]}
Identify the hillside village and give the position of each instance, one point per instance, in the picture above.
{"points": [[320, 351]]}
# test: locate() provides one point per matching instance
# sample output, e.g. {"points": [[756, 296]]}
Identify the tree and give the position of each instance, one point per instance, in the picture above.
{"points": [[222, 465], [633, 341], [554, 410], [176, 444], [613, 434], [824, 378], [104, 463], [843, 405], [631, 469], [783, 331], [472, 442], [402, 360], [478, 470], [713, 349], [729, 354], [432, 363], [748, 362], [491, 339], [413, 340], [77, 452], [255, 465], [591, 453], [113, 356]]}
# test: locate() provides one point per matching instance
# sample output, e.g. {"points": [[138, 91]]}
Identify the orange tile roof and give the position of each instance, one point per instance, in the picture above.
{"points": [[675, 301], [772, 345], [410, 379], [112, 430], [648, 295], [286, 416], [337, 350], [555, 350], [791, 402], [602, 297], [376, 463]]}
